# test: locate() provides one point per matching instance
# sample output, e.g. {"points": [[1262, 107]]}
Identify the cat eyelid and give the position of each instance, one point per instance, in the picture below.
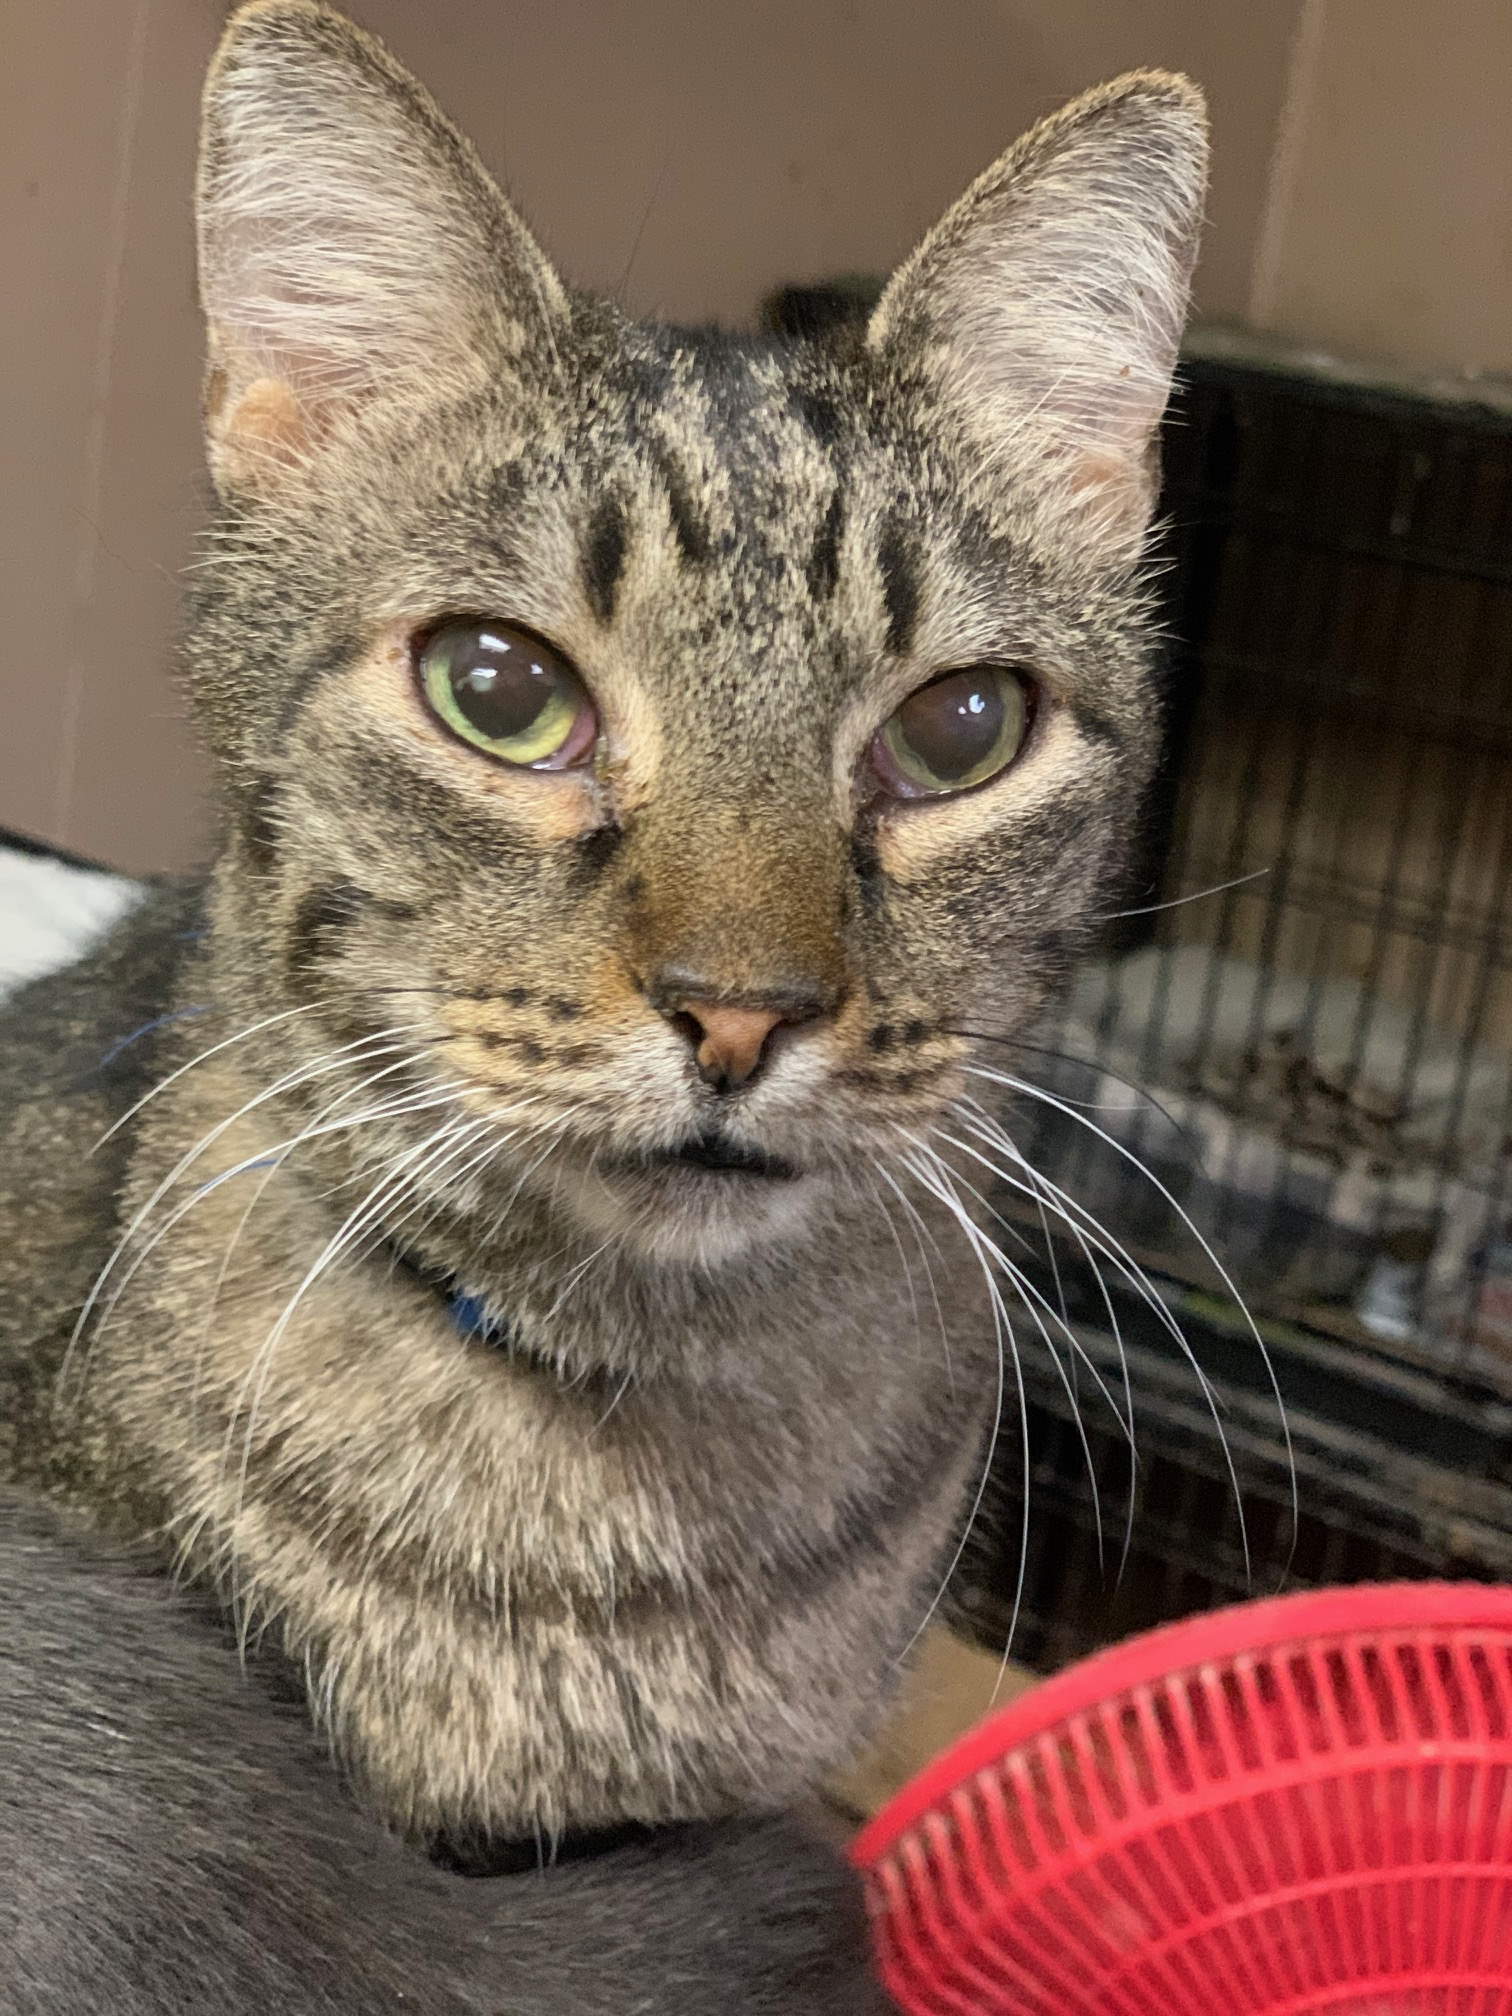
{"points": [[866, 718], [883, 695]]}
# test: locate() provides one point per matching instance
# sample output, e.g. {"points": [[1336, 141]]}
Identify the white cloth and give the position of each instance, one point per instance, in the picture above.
{"points": [[50, 910]]}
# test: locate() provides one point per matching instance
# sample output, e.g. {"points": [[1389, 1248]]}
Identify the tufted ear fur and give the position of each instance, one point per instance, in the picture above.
{"points": [[351, 245], [1047, 305]]}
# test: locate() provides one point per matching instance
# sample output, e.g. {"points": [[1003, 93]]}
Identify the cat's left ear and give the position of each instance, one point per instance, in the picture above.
{"points": [[352, 248], [1046, 307]]}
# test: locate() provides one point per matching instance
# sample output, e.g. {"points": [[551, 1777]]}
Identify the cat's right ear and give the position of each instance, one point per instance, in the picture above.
{"points": [[1047, 305], [352, 248]]}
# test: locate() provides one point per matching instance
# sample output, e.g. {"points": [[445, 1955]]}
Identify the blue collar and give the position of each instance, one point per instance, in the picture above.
{"points": [[473, 1318], [469, 1313]]}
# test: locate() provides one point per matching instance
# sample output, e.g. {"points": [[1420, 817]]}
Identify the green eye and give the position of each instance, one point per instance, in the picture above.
{"points": [[508, 694], [957, 731]]}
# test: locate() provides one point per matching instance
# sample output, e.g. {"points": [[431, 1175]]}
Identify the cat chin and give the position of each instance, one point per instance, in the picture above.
{"points": [[690, 1217]]}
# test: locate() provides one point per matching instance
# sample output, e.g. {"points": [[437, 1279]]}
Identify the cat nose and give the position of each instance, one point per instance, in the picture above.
{"points": [[731, 1041]]}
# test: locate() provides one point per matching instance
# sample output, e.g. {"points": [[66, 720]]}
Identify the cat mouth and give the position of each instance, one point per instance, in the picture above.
{"points": [[712, 1153]]}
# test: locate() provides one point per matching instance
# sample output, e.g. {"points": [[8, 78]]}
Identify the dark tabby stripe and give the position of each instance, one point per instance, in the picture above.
{"points": [[604, 557], [824, 561], [323, 913], [691, 532], [1096, 725], [868, 871], [865, 1528], [899, 563], [819, 414], [592, 854]]}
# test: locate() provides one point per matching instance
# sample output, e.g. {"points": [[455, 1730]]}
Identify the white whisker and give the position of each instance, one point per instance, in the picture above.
{"points": [[1175, 902], [908, 1280], [310, 1132], [1136, 1162], [314, 1067], [1029, 1295], [919, 1229], [270, 1157], [993, 1133], [941, 1189], [619, 1393], [550, 1128], [214, 1050], [450, 1138], [576, 1275], [1027, 1288], [1071, 1212], [319, 1067]]}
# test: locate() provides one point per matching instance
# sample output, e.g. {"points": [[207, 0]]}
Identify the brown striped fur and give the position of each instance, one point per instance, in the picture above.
{"points": [[660, 1557]]}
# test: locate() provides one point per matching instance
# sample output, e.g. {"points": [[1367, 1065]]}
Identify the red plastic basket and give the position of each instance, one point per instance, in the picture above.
{"points": [[1294, 1806]]}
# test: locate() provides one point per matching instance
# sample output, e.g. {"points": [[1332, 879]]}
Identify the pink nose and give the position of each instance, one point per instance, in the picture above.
{"points": [[728, 1042]]}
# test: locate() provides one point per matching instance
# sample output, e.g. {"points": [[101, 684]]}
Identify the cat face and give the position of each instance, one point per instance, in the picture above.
{"points": [[689, 747]]}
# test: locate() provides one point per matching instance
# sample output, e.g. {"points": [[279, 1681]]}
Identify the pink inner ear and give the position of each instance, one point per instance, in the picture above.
{"points": [[1118, 489], [265, 428], [1097, 470]]}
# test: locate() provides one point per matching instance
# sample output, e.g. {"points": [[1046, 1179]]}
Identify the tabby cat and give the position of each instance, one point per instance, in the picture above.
{"points": [[520, 1256]]}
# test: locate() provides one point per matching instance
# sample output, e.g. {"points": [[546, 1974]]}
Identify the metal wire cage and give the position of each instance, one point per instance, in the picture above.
{"points": [[1323, 1045]]}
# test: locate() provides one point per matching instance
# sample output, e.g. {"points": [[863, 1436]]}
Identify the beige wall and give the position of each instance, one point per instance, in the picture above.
{"points": [[1390, 226], [688, 154], [97, 360], [730, 143]]}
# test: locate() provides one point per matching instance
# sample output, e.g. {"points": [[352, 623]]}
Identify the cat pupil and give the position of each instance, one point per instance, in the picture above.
{"points": [[954, 723], [500, 699]]}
